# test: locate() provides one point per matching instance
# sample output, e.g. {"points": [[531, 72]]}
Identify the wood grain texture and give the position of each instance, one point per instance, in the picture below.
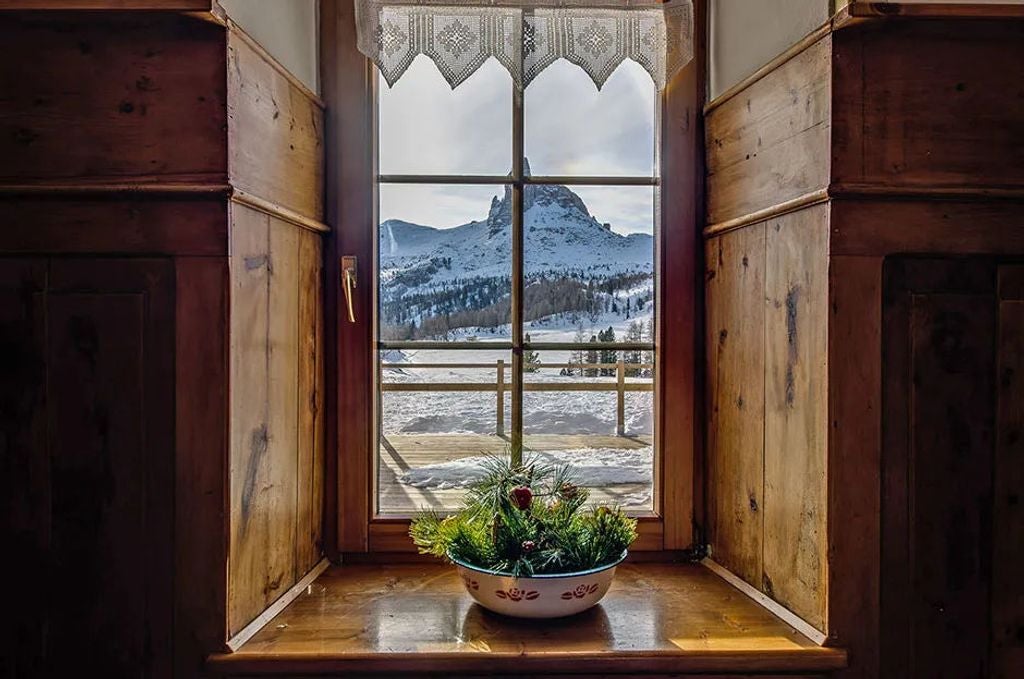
{"points": [[881, 227], [309, 398], [275, 134], [854, 445], [795, 412], [253, 577], [144, 227], [770, 143], [276, 484], [935, 598], [201, 461], [1008, 481], [146, 90], [736, 327], [110, 433], [921, 104], [417, 619]]}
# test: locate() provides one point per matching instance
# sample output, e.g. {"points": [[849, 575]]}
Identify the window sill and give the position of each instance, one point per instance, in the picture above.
{"points": [[657, 618]]}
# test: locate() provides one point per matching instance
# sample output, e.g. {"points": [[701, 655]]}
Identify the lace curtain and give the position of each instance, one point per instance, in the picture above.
{"points": [[526, 36]]}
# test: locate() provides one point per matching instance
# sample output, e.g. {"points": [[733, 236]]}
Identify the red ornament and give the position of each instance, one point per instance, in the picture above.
{"points": [[529, 546], [522, 496]]}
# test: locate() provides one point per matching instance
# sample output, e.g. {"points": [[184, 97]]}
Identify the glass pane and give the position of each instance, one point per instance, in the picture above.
{"points": [[445, 262], [594, 409], [426, 127], [588, 256], [572, 128], [439, 412]]}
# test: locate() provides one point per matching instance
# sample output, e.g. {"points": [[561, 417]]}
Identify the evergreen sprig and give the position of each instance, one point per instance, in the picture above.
{"points": [[526, 519]]}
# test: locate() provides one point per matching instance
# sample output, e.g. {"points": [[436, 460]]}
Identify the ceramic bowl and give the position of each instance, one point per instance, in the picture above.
{"points": [[540, 596]]}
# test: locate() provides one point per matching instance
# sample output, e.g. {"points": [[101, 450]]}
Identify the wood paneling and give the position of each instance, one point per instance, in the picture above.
{"points": [[95, 456], [117, 97], [276, 133], [201, 442], [795, 412], [924, 104], [362, 619], [1008, 481], [735, 455], [937, 460], [137, 226], [770, 143], [273, 428]]}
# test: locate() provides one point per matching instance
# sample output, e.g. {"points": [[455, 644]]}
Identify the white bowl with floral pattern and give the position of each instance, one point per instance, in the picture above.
{"points": [[539, 596]]}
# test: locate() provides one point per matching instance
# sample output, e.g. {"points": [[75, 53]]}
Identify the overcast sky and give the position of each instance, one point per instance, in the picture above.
{"points": [[569, 128]]}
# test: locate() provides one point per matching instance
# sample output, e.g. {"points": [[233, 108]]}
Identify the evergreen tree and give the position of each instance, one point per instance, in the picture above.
{"points": [[608, 355], [591, 358], [633, 358]]}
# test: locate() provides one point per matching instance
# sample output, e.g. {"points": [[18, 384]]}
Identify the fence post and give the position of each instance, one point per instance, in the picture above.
{"points": [[501, 398], [620, 373]]}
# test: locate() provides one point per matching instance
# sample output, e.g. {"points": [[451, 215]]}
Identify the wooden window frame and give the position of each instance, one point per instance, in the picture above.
{"points": [[348, 87]]}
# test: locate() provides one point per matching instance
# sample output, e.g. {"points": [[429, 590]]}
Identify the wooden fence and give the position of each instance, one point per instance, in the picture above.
{"points": [[620, 386]]}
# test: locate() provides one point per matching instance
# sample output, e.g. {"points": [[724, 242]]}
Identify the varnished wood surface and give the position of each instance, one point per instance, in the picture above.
{"points": [[275, 133], [405, 619], [120, 96], [770, 143]]}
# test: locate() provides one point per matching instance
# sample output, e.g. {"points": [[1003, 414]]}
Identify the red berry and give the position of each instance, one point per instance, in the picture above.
{"points": [[522, 496], [529, 546]]}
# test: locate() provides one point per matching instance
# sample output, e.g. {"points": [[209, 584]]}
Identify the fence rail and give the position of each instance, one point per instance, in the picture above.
{"points": [[500, 386]]}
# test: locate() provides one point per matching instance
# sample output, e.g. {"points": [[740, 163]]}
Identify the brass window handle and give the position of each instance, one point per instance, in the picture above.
{"points": [[348, 281]]}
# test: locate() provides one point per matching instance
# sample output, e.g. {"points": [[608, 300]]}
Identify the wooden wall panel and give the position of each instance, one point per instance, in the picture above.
{"points": [[796, 417], [937, 467], [276, 133], [310, 439], [92, 463], [1008, 479], [275, 494], [147, 92], [927, 104], [735, 482], [770, 143], [144, 226]]}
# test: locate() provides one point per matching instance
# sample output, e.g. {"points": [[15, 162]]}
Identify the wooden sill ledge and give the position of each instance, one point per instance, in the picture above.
{"points": [[657, 618]]}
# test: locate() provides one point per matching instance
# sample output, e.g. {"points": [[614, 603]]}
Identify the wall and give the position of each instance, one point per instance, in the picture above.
{"points": [[745, 35], [287, 29]]}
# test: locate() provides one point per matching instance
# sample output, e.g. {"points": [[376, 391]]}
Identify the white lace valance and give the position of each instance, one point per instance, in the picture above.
{"points": [[527, 36]]}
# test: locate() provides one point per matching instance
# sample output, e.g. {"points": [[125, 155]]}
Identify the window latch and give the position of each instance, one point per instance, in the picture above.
{"points": [[348, 282]]}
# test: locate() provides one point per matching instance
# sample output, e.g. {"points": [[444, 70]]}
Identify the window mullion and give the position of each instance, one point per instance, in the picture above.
{"points": [[517, 275]]}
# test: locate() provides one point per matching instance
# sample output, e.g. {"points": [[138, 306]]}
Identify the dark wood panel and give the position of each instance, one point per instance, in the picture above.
{"points": [[358, 619], [735, 335], [770, 143], [924, 103], [185, 5], [201, 363], [1008, 479], [275, 133], [881, 227], [25, 465], [854, 445], [796, 417], [937, 467], [36, 225], [110, 377], [139, 96]]}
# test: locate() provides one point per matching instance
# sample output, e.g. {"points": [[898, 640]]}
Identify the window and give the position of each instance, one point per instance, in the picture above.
{"points": [[515, 295], [513, 290]]}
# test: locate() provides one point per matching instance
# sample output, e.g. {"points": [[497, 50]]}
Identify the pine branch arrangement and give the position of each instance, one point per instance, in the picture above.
{"points": [[526, 519]]}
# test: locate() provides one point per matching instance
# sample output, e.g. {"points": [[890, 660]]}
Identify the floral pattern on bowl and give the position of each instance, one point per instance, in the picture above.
{"points": [[541, 596]]}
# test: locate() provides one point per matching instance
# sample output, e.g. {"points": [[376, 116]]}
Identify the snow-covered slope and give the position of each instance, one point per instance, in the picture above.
{"points": [[427, 271]]}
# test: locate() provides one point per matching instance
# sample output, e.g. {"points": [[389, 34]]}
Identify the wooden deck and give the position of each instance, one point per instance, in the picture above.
{"points": [[402, 452]]}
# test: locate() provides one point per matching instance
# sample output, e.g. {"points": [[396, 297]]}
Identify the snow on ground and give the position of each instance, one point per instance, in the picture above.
{"points": [[593, 468]]}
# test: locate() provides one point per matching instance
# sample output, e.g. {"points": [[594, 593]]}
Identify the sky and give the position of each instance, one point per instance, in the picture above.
{"points": [[569, 128]]}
